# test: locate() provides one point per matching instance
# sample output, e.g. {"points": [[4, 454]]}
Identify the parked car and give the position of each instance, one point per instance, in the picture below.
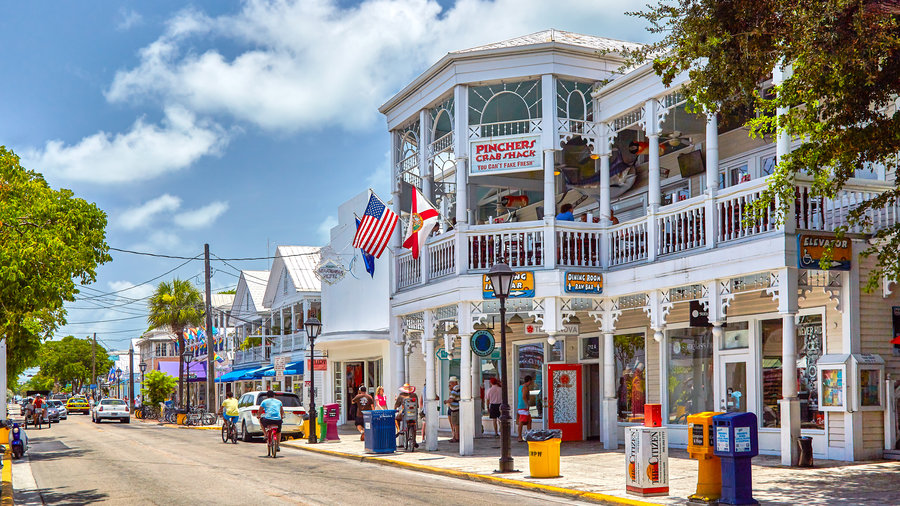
{"points": [[78, 405], [248, 407], [111, 409], [51, 413], [60, 407]]}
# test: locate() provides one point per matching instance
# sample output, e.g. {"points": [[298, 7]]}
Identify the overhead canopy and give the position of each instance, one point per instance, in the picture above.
{"points": [[234, 375], [292, 369], [197, 371]]}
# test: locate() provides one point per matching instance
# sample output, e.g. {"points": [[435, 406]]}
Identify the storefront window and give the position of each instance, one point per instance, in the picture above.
{"points": [[736, 335], [631, 371], [490, 368], [530, 358], [558, 351], [590, 348], [689, 358], [809, 349]]}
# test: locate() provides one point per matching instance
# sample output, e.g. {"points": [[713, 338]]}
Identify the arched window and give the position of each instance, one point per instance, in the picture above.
{"points": [[510, 108]]}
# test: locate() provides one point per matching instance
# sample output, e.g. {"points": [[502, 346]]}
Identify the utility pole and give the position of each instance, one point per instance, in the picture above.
{"points": [[211, 400], [94, 365], [131, 378]]}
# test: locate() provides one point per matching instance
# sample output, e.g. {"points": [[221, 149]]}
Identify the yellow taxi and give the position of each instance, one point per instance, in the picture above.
{"points": [[78, 405]]}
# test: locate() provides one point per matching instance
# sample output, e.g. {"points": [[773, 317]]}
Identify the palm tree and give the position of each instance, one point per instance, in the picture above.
{"points": [[176, 305]]}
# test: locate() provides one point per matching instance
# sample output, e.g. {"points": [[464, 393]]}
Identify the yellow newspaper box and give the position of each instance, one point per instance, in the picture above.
{"points": [[701, 443]]}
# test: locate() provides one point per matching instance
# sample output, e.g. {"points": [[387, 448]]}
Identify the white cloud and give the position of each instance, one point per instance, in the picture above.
{"points": [[128, 19], [309, 64], [142, 215], [324, 229], [201, 217], [131, 290], [144, 152], [160, 241]]}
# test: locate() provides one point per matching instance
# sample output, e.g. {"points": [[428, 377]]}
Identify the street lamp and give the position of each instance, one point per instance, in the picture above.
{"points": [[143, 367], [313, 327], [187, 355], [501, 277], [119, 382]]}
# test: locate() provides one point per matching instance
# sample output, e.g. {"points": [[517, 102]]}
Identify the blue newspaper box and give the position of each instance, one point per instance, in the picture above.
{"points": [[380, 431], [736, 444]]}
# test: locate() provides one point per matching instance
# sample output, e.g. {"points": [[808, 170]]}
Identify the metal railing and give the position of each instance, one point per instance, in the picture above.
{"points": [[578, 245], [682, 226]]}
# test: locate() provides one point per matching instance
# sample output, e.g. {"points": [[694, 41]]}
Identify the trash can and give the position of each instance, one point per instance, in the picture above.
{"points": [[806, 451], [380, 430], [304, 426], [332, 415], [320, 424], [543, 452]]}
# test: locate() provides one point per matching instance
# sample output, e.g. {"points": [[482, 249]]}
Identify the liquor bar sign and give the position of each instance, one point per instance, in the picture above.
{"points": [[509, 154]]}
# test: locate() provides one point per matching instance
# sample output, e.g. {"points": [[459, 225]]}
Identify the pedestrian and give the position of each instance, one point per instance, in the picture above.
{"points": [[380, 399], [363, 402], [494, 397], [523, 408], [453, 408]]}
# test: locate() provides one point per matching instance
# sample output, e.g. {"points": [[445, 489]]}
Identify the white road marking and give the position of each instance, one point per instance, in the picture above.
{"points": [[24, 486]]}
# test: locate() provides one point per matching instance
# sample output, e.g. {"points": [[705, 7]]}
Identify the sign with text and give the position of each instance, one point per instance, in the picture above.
{"points": [[522, 285], [508, 154], [811, 249], [569, 329], [584, 282], [319, 364], [483, 343]]}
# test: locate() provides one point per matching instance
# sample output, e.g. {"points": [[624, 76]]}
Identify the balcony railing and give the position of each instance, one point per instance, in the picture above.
{"points": [[699, 223], [249, 356], [287, 343]]}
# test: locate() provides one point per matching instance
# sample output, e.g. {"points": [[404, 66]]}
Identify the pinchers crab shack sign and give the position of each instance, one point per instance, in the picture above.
{"points": [[510, 154]]}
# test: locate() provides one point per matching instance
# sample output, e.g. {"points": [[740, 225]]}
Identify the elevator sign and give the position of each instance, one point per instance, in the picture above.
{"points": [[504, 155]]}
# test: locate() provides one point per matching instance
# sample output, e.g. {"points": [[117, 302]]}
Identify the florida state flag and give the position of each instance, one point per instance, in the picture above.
{"points": [[421, 222]]}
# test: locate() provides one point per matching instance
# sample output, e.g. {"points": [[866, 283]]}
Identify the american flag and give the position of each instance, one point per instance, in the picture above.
{"points": [[376, 227]]}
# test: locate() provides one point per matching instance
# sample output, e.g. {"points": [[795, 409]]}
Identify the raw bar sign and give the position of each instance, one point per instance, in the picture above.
{"points": [[510, 154], [584, 282]]}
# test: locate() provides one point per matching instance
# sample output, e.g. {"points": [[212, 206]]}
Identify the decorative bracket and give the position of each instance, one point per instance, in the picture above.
{"points": [[606, 312], [657, 310], [834, 289], [654, 113], [718, 297], [886, 283], [537, 311]]}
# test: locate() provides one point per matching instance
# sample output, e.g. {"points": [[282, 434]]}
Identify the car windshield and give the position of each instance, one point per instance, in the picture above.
{"points": [[55, 403], [114, 402], [287, 400]]}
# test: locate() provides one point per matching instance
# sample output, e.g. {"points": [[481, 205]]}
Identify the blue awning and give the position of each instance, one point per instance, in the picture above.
{"points": [[292, 369], [234, 375], [253, 374]]}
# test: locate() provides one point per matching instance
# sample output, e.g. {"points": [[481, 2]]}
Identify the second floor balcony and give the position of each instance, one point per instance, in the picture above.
{"points": [[272, 345], [690, 226]]}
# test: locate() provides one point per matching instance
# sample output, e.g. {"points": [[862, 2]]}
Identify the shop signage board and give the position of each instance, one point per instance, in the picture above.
{"points": [[441, 354], [504, 155], [280, 363], [646, 461], [483, 343], [522, 286], [569, 329], [330, 271], [811, 248], [319, 364], [589, 283]]}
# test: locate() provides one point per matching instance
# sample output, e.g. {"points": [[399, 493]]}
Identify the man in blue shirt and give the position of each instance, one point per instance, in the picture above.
{"points": [[271, 412], [565, 213]]}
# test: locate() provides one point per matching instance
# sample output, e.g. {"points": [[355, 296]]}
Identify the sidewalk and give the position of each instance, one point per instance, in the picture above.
{"points": [[589, 472]]}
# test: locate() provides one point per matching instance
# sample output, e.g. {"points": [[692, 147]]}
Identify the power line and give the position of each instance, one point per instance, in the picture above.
{"points": [[106, 321], [146, 253], [142, 283]]}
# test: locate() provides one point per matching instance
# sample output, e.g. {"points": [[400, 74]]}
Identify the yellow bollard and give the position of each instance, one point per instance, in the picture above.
{"points": [[701, 443]]}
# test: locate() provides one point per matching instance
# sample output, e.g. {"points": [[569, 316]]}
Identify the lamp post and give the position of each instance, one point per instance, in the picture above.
{"points": [[187, 355], [501, 277], [313, 327], [119, 382], [143, 367]]}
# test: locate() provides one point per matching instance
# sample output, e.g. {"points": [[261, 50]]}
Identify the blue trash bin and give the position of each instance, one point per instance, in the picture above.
{"points": [[380, 431]]}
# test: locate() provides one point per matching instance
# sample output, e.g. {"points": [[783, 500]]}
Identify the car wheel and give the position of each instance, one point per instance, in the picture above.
{"points": [[126, 420], [245, 436]]}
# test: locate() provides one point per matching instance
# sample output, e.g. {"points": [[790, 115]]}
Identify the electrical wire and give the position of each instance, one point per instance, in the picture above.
{"points": [[242, 259], [144, 282]]}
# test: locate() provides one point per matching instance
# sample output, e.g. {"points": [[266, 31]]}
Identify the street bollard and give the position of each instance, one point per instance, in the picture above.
{"points": [[701, 444], [736, 443]]}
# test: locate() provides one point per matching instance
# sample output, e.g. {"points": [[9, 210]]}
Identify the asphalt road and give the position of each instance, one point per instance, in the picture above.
{"points": [[77, 462]]}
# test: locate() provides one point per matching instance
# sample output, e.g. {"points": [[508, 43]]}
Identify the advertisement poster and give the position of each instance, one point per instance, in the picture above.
{"points": [[590, 283], [832, 387], [505, 155]]}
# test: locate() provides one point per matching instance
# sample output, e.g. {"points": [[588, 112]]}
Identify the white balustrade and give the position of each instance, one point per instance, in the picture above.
{"points": [[681, 226], [409, 270], [503, 128], [628, 242], [578, 244], [444, 142], [816, 212], [442, 255], [518, 244], [734, 212]]}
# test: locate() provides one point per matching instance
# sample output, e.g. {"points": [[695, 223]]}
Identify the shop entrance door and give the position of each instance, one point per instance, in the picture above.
{"points": [[592, 397], [354, 376], [735, 389], [566, 402]]}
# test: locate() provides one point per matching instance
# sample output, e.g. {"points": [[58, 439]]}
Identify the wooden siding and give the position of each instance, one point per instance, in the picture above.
{"points": [[835, 424], [873, 430], [876, 326]]}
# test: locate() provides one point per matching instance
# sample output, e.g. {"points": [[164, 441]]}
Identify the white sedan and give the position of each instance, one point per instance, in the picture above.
{"points": [[115, 409], [61, 407]]}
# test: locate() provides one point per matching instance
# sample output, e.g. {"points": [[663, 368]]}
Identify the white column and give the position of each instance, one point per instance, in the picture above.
{"points": [[605, 206], [3, 382], [476, 396], [466, 406], [783, 143], [789, 403], [425, 169], [549, 142], [610, 415], [398, 358], [651, 128], [712, 178], [431, 403], [653, 199], [461, 149]]}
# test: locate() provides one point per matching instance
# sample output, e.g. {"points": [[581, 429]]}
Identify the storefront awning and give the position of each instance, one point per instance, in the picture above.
{"points": [[292, 369], [234, 375], [253, 374], [197, 371]]}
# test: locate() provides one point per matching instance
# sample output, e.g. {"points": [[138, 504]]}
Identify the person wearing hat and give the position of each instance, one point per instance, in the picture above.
{"points": [[453, 408], [407, 402]]}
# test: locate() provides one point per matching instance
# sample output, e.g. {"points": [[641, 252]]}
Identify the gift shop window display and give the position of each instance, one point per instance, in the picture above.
{"points": [[689, 378], [631, 390]]}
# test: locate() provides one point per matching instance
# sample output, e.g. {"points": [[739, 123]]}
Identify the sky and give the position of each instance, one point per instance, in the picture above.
{"points": [[243, 125]]}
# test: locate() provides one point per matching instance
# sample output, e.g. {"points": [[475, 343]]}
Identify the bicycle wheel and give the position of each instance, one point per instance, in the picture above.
{"points": [[225, 432], [270, 443], [209, 418], [234, 434]]}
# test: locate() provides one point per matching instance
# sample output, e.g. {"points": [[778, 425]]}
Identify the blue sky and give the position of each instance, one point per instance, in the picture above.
{"points": [[240, 124]]}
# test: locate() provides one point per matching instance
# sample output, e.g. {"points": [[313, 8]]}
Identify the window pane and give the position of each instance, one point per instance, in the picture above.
{"points": [[531, 363], [869, 381], [590, 348], [767, 166], [771, 372], [489, 369], [558, 351], [809, 349], [630, 369], [690, 378], [736, 336]]}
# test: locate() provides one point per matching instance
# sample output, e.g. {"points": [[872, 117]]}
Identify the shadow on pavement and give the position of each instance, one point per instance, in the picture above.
{"points": [[56, 496]]}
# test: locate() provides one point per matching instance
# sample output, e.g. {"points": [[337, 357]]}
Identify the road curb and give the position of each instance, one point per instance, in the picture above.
{"points": [[484, 478], [7, 488]]}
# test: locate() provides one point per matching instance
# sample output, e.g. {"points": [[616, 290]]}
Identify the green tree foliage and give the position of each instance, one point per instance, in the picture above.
{"points": [[176, 306], [840, 91], [38, 382], [69, 361], [51, 239], [158, 386]]}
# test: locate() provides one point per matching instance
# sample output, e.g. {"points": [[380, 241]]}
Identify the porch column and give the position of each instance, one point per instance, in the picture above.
{"points": [[712, 177], [425, 168], [783, 142], [651, 128], [476, 396], [789, 403], [466, 407], [461, 149], [398, 360], [549, 139], [294, 326], [431, 403], [610, 415], [605, 206]]}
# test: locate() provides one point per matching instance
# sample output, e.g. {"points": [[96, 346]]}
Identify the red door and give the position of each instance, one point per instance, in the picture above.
{"points": [[565, 410]]}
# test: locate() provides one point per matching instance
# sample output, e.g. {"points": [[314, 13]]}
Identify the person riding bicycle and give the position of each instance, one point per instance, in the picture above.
{"points": [[229, 409], [38, 409], [271, 412]]}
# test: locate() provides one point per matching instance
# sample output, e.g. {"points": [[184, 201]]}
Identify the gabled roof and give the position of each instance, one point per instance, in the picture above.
{"points": [[300, 263], [559, 36], [254, 284], [222, 301]]}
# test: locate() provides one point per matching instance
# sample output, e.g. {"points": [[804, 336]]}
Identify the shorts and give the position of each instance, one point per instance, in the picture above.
{"points": [[231, 418], [494, 411], [360, 421], [524, 416], [266, 422], [453, 414]]}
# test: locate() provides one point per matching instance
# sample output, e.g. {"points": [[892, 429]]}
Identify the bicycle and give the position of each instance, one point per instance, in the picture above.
{"points": [[272, 440], [406, 436], [229, 431]]}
